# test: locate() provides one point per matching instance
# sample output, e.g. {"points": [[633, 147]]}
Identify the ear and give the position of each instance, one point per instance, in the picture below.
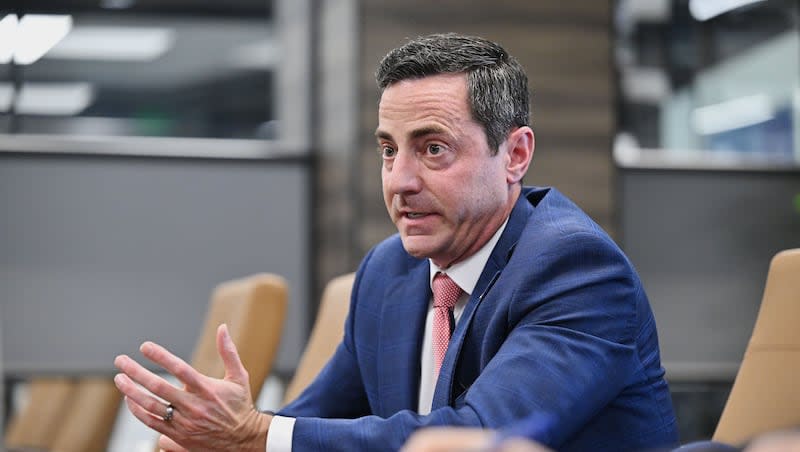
{"points": [[520, 144]]}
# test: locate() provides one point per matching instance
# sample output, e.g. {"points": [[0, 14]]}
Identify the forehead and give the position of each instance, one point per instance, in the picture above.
{"points": [[414, 107], [436, 98]]}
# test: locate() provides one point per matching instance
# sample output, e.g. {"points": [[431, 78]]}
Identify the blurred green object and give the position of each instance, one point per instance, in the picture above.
{"points": [[153, 122], [797, 203]]}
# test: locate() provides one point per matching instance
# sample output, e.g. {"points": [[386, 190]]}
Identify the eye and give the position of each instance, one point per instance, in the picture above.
{"points": [[388, 152], [435, 149]]}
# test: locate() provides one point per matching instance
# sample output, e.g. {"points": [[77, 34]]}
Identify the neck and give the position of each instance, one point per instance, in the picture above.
{"points": [[488, 230]]}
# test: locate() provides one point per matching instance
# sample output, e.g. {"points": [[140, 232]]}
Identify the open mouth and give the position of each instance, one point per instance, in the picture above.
{"points": [[414, 215]]}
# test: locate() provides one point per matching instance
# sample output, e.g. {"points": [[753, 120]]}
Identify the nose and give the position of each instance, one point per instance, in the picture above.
{"points": [[403, 177]]}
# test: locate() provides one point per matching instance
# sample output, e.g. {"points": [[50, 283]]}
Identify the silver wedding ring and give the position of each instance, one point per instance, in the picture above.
{"points": [[170, 412]]}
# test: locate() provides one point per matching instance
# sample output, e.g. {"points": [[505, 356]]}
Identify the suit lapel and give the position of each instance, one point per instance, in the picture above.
{"points": [[490, 274], [405, 305]]}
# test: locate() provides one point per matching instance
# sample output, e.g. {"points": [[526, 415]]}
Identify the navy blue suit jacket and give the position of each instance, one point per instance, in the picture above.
{"points": [[556, 340]]}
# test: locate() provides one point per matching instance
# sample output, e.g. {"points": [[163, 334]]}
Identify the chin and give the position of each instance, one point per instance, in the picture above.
{"points": [[414, 247]]}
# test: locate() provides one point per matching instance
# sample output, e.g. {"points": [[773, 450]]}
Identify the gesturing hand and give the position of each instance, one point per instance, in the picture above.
{"points": [[207, 414]]}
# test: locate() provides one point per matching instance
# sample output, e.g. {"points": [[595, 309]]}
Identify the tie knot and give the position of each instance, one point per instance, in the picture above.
{"points": [[445, 291]]}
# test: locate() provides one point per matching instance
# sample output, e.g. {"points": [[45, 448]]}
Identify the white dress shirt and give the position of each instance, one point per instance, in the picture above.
{"points": [[465, 274]]}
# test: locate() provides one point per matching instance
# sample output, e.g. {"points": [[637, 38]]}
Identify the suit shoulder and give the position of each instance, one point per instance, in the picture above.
{"points": [[557, 219]]}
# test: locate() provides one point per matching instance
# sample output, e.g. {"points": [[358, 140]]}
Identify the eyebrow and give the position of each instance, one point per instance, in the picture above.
{"points": [[416, 133], [428, 130], [383, 135]]}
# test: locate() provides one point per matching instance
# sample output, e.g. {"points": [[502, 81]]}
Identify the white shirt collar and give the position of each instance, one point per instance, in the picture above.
{"points": [[467, 272]]}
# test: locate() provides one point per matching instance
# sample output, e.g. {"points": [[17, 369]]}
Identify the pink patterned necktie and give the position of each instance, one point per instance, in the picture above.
{"points": [[445, 296]]}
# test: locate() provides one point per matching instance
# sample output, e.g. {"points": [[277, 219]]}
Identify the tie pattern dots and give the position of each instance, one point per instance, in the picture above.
{"points": [[445, 295]]}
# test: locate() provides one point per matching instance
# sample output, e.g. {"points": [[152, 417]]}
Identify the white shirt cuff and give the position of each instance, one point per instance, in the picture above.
{"points": [[279, 437]]}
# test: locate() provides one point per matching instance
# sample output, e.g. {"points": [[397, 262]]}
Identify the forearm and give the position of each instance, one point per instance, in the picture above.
{"points": [[373, 432]]}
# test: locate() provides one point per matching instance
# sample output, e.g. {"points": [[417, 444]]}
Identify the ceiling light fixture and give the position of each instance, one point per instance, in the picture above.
{"points": [[733, 114], [36, 34], [114, 43], [8, 31], [706, 9], [49, 98]]}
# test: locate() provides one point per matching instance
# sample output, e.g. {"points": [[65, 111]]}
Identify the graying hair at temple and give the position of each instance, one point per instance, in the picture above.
{"points": [[497, 87]]}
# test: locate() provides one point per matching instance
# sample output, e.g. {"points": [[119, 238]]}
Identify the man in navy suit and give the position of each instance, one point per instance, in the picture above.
{"points": [[544, 318]]}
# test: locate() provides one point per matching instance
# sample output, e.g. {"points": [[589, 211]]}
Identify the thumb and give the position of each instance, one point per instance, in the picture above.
{"points": [[234, 369]]}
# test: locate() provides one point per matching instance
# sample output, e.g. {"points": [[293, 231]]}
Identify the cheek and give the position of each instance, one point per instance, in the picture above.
{"points": [[387, 198], [482, 193], [458, 201], [494, 176], [384, 180]]}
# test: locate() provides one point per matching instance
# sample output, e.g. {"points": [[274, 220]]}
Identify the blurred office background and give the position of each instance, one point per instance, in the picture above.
{"points": [[152, 149]]}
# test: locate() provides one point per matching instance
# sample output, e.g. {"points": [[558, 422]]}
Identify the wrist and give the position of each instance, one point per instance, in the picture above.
{"points": [[257, 428]]}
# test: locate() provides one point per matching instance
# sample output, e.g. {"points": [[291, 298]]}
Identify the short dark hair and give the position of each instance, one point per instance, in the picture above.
{"points": [[497, 87]]}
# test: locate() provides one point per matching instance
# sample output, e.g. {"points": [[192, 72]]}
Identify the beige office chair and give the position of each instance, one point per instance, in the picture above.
{"points": [[35, 425], [766, 393], [254, 308], [325, 336], [90, 417], [78, 415]]}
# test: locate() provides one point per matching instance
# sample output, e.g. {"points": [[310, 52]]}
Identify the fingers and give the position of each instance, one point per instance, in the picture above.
{"points": [[136, 394], [147, 418], [522, 445], [234, 369], [172, 364], [152, 382], [448, 439], [209, 413]]}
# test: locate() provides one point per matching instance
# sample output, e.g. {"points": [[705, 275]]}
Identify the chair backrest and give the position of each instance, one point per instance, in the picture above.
{"points": [[254, 308], [90, 418], [766, 393], [325, 336], [35, 425]]}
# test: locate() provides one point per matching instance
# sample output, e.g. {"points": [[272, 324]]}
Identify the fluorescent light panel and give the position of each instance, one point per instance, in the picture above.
{"points": [[706, 9], [114, 43], [28, 39], [35, 36], [38, 33], [733, 114], [59, 99], [8, 31]]}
